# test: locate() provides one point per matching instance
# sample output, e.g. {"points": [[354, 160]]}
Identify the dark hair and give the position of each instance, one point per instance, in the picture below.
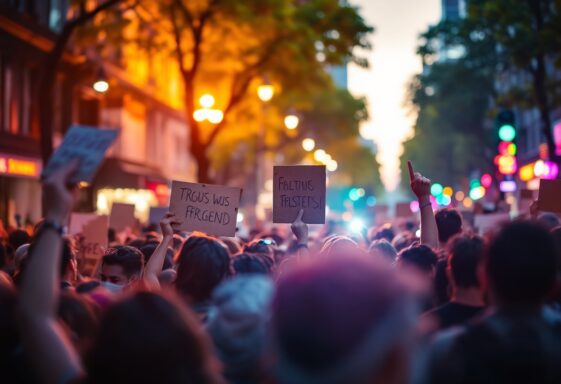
{"points": [[521, 263], [148, 250], [129, 258], [18, 237], [404, 240], [203, 263], [111, 235], [177, 242], [81, 315], [385, 232], [449, 223], [151, 330], [465, 253], [259, 263], [421, 256], [137, 243], [383, 246], [3, 255], [68, 255], [260, 246]]}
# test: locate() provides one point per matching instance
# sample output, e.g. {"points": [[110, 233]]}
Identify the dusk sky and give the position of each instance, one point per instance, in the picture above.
{"points": [[392, 64]]}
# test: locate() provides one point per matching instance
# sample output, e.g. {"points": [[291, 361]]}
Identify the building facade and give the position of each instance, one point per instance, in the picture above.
{"points": [[152, 147]]}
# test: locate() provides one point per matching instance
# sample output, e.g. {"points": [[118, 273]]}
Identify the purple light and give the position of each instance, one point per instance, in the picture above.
{"points": [[507, 186], [551, 170]]}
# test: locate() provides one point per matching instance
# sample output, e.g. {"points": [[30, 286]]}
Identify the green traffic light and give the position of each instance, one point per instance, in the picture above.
{"points": [[507, 132]]}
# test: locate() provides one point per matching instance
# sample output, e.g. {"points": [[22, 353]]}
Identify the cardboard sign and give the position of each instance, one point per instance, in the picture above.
{"points": [[156, 214], [207, 208], [403, 210], [122, 216], [549, 199], [492, 221], [92, 230], [299, 187], [86, 144]]}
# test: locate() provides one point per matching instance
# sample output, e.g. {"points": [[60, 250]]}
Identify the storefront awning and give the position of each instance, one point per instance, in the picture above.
{"points": [[118, 173]]}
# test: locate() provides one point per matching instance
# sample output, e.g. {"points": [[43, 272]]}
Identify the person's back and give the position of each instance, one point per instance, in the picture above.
{"points": [[521, 341]]}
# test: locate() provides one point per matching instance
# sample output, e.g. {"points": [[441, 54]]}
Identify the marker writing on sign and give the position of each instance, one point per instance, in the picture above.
{"points": [[206, 215], [285, 184], [300, 202], [189, 195]]}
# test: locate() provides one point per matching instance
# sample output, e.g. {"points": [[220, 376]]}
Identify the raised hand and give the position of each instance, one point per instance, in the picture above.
{"points": [[59, 195], [167, 223], [420, 185], [300, 229]]}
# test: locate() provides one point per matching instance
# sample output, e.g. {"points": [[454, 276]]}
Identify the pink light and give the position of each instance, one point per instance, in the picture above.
{"points": [[557, 137], [486, 180], [551, 170], [414, 205]]}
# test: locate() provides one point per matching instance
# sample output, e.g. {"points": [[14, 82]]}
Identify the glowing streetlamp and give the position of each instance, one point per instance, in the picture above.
{"points": [[214, 116], [291, 121], [101, 85], [320, 155], [332, 166], [308, 144], [265, 92]]}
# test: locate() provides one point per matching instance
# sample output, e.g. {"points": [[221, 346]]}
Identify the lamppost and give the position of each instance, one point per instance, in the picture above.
{"points": [[265, 92]]}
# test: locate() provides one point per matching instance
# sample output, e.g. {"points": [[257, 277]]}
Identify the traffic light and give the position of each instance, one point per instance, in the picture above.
{"points": [[506, 132]]}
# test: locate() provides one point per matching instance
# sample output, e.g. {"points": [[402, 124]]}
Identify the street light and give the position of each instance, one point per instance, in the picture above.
{"points": [[291, 121], [308, 144], [101, 85], [265, 92], [214, 116], [319, 155], [332, 166]]}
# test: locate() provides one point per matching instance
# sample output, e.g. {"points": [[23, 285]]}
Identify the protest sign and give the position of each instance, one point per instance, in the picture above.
{"points": [[489, 222], [207, 208], [299, 187], [549, 196], [122, 216], [92, 233], [403, 210], [156, 214], [85, 144]]}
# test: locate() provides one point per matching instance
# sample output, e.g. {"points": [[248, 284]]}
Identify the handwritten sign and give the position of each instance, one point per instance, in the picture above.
{"points": [[92, 230], [549, 199], [122, 216], [156, 214], [490, 222], [211, 209], [86, 144], [299, 187]]}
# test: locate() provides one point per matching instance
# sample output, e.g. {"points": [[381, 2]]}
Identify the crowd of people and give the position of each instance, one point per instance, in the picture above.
{"points": [[388, 307]]}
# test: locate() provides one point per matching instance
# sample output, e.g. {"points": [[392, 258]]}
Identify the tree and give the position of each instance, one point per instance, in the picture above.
{"points": [[521, 37], [227, 47], [82, 14]]}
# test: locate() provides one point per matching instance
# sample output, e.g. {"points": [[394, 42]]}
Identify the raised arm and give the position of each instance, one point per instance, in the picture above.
{"points": [[421, 188], [300, 230], [156, 262], [52, 354]]}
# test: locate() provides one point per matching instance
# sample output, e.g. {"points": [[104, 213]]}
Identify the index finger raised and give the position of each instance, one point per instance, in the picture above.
{"points": [[411, 171]]}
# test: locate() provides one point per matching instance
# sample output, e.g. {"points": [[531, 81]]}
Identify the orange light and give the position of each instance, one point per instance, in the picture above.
{"points": [[527, 172], [22, 168], [507, 164]]}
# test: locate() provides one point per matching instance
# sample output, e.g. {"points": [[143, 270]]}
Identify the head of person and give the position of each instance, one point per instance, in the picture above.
{"points": [[384, 232], [339, 245], [382, 249], [252, 263], [80, 315], [342, 320], [549, 220], [238, 324], [263, 246], [155, 331], [465, 253], [18, 237], [3, 255], [404, 240], [232, 244], [121, 266], [521, 263], [202, 264], [148, 250], [449, 224], [419, 258]]}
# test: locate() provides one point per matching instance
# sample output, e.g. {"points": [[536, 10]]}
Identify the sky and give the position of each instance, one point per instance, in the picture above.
{"points": [[393, 63]]}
